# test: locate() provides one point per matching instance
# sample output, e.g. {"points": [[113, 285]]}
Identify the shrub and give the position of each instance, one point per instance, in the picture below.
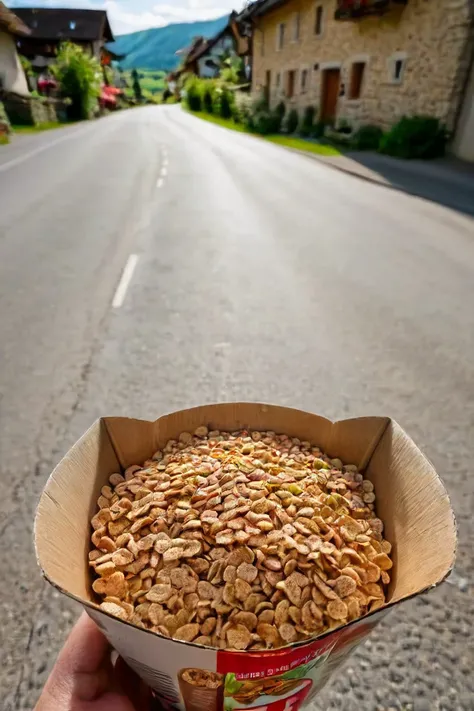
{"points": [[318, 129], [79, 77], [307, 121], [216, 98], [344, 126], [415, 137], [193, 95], [292, 121], [206, 97], [242, 107], [266, 122], [280, 111], [227, 103], [367, 138]]}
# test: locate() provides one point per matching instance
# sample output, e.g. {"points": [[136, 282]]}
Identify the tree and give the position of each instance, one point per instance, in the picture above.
{"points": [[137, 90], [231, 69], [79, 78]]}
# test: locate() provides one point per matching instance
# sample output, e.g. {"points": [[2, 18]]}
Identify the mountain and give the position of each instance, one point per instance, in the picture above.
{"points": [[156, 48]]}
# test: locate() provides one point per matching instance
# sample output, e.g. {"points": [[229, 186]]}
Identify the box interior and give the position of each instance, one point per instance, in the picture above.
{"points": [[411, 499]]}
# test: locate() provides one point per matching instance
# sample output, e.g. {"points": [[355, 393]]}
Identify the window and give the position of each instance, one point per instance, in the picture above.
{"points": [[290, 84], [262, 45], [396, 67], [296, 26], [280, 36], [72, 25], [357, 80], [278, 80], [318, 24], [304, 81]]}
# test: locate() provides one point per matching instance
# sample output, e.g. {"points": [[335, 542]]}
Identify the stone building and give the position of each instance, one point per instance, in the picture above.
{"points": [[365, 61], [12, 76]]}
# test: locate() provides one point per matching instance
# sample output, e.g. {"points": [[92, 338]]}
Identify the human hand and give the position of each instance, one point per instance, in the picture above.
{"points": [[84, 679]]}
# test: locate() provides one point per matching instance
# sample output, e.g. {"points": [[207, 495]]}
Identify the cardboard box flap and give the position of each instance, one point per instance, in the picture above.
{"points": [[351, 440], [414, 505], [62, 524], [354, 441]]}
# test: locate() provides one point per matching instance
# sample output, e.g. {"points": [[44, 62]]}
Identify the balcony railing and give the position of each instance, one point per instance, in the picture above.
{"points": [[355, 9]]}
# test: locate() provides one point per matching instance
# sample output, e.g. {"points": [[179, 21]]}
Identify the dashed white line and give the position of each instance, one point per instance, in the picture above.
{"points": [[164, 172], [124, 282], [159, 183]]}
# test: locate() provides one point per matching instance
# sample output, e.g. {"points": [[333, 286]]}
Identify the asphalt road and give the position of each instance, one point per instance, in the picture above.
{"points": [[261, 275]]}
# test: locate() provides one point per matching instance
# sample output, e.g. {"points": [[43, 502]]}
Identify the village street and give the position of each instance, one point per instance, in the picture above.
{"points": [[261, 275]]}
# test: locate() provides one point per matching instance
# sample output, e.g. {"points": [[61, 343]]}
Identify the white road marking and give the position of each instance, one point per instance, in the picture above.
{"points": [[125, 280], [159, 183], [23, 158], [164, 172]]}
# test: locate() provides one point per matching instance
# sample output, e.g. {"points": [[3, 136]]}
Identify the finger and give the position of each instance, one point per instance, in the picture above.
{"points": [[86, 649], [131, 684], [83, 670]]}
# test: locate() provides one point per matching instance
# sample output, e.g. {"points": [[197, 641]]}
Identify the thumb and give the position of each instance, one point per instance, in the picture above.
{"points": [[81, 671]]}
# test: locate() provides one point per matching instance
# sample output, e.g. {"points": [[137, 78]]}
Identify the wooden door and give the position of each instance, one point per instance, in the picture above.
{"points": [[330, 93]]}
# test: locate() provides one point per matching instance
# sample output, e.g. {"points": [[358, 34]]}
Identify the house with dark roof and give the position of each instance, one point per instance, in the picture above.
{"points": [[12, 76], [49, 27], [204, 56]]}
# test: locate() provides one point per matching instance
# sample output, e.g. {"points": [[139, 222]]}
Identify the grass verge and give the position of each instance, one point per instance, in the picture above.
{"points": [[298, 144], [225, 123], [39, 128]]}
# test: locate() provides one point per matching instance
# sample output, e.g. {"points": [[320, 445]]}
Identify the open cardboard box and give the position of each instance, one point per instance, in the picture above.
{"points": [[411, 500]]}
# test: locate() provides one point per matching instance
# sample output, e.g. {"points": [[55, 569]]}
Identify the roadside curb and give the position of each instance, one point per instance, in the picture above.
{"points": [[356, 174], [373, 181]]}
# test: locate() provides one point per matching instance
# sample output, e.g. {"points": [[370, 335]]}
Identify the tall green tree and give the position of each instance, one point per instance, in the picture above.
{"points": [[79, 76], [137, 90]]}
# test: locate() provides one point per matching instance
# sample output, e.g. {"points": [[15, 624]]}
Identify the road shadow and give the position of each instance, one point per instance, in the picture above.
{"points": [[448, 181]]}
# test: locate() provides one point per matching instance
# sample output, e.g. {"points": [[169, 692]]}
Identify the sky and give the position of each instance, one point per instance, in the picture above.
{"points": [[132, 15]]}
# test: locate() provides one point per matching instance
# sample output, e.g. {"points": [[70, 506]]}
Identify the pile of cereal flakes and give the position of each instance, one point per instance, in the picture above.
{"points": [[242, 540]]}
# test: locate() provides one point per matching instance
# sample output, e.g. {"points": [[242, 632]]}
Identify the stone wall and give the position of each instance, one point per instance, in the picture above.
{"points": [[4, 122], [428, 38], [31, 110]]}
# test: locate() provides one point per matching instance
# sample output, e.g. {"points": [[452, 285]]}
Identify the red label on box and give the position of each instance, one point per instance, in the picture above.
{"points": [[259, 666]]}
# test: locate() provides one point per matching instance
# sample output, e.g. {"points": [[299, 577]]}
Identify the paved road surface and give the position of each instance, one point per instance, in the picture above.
{"points": [[261, 275]]}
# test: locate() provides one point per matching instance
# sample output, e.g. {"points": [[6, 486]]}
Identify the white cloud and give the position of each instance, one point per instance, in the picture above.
{"points": [[194, 10], [132, 15], [124, 21]]}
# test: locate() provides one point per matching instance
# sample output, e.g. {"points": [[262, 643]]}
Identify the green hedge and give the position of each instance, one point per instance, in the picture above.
{"points": [[415, 137], [411, 137], [211, 96], [367, 138]]}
